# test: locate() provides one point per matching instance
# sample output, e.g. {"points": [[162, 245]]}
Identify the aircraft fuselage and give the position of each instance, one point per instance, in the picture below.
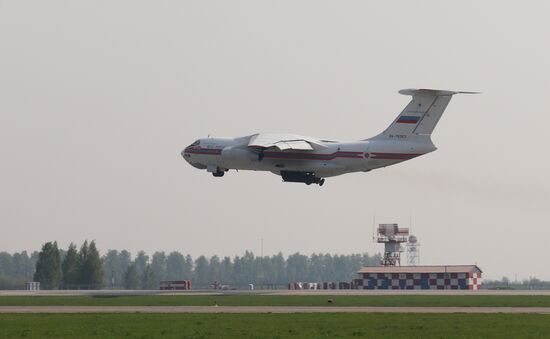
{"points": [[218, 155], [309, 160]]}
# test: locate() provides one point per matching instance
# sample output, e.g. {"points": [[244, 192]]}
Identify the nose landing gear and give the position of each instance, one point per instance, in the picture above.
{"points": [[218, 174], [216, 171]]}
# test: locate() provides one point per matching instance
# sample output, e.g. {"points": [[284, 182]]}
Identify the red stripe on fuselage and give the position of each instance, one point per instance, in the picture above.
{"points": [[205, 151], [394, 156], [313, 156]]}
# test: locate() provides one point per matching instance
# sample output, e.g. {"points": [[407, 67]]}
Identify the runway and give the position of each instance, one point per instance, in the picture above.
{"points": [[267, 309], [269, 292]]}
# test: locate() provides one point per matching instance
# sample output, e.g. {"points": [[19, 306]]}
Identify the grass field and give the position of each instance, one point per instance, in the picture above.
{"points": [[279, 300], [351, 325]]}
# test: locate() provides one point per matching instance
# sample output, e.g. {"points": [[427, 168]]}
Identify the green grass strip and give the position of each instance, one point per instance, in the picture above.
{"points": [[274, 326], [278, 300]]}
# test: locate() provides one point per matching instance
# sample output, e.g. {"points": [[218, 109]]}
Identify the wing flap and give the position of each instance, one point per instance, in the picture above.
{"points": [[285, 142], [294, 144]]}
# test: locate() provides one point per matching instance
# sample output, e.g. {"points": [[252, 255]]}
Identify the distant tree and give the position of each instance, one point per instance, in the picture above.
{"points": [[226, 271], [189, 268], [237, 274], [13, 269], [115, 265], [158, 265], [214, 269], [330, 267], [111, 268], [90, 266], [533, 283], [124, 261], [316, 267], [83, 274], [297, 267], [248, 264], [278, 264], [148, 280], [131, 279], [94, 266], [31, 265], [70, 267], [19, 264], [48, 267], [175, 266], [6, 264], [367, 260], [264, 269], [342, 268], [201, 271], [141, 262]]}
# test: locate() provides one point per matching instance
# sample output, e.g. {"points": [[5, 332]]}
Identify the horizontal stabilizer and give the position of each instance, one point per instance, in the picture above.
{"points": [[436, 92]]}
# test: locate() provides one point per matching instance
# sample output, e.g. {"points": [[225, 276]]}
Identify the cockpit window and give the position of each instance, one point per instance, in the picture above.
{"points": [[196, 143]]}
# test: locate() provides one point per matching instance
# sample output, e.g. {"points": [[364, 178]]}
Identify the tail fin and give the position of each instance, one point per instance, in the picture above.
{"points": [[421, 114]]}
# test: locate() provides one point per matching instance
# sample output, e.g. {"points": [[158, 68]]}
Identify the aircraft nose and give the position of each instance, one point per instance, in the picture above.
{"points": [[185, 155]]}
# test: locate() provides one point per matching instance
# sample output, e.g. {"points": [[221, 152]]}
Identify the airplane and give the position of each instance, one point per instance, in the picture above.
{"points": [[310, 160]]}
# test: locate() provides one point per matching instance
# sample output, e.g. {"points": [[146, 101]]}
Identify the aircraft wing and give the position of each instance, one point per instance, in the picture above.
{"points": [[285, 142]]}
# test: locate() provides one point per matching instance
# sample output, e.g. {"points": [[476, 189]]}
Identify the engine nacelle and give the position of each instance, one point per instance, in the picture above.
{"points": [[238, 157]]}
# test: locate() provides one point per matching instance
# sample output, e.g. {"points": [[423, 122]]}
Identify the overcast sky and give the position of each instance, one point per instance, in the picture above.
{"points": [[98, 98]]}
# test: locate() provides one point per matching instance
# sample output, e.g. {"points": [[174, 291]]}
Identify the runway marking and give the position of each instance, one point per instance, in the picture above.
{"points": [[266, 309]]}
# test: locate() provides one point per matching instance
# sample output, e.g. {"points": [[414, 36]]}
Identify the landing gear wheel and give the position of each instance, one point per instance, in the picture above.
{"points": [[321, 182], [218, 174]]}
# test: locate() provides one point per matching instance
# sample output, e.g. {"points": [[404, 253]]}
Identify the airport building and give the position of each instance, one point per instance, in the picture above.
{"points": [[391, 275], [452, 277]]}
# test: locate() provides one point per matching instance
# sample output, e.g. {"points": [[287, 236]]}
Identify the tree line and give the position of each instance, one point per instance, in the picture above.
{"points": [[16, 269], [71, 269], [85, 268], [505, 283]]}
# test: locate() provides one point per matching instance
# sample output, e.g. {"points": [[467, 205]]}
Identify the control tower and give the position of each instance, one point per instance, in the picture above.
{"points": [[392, 236]]}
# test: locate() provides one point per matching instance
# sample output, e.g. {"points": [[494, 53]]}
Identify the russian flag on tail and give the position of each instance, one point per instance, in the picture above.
{"points": [[407, 119]]}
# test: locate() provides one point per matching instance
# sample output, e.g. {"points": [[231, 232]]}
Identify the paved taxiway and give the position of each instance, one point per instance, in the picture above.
{"points": [[268, 292], [266, 309]]}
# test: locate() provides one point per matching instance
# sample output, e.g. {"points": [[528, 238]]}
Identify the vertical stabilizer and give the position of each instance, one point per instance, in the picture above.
{"points": [[422, 114]]}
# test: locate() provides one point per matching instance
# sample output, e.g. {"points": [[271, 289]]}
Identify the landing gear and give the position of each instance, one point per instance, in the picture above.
{"points": [[315, 180], [307, 178], [219, 172]]}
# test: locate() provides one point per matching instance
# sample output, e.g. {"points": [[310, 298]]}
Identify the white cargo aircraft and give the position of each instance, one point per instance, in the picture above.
{"points": [[309, 160]]}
